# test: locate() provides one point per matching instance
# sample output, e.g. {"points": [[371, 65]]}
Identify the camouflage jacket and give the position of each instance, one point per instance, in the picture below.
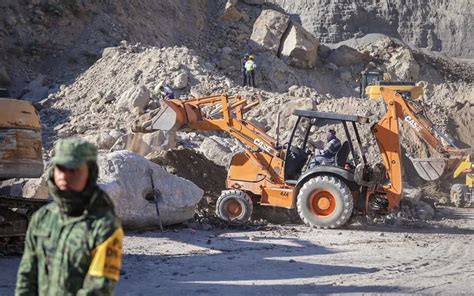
{"points": [[72, 255]]}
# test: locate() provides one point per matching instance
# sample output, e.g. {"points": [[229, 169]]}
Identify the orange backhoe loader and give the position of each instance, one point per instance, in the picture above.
{"points": [[278, 175]]}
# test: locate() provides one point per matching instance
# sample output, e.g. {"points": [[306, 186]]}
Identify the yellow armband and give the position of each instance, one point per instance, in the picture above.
{"points": [[107, 257]]}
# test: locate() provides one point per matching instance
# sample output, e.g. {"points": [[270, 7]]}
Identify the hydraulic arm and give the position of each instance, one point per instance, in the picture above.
{"points": [[224, 113], [387, 134]]}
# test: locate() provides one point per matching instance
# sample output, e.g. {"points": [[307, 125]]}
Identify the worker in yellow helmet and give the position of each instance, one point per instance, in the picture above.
{"points": [[250, 67]]}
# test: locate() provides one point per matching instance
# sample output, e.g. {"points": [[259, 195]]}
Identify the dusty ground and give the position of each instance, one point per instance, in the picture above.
{"points": [[423, 258]]}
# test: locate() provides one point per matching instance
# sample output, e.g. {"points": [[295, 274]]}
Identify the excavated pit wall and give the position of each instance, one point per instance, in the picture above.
{"points": [[438, 25]]}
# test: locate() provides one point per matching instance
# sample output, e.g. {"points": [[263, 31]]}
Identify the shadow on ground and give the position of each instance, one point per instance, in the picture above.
{"points": [[236, 266]]}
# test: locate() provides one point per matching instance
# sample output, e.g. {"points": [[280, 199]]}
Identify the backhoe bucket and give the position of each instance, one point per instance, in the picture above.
{"points": [[429, 169], [170, 117]]}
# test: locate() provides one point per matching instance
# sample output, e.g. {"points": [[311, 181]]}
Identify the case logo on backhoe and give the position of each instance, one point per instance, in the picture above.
{"points": [[412, 122], [263, 146]]}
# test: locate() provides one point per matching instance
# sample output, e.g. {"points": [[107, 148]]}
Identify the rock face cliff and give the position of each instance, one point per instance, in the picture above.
{"points": [[437, 25]]}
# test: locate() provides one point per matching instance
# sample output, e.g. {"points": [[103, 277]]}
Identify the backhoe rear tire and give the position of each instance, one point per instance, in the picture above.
{"points": [[234, 205], [325, 202], [457, 194]]}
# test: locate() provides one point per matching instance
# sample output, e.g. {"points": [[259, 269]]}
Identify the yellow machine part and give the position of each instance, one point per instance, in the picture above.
{"points": [[465, 166], [18, 114], [20, 138], [373, 91]]}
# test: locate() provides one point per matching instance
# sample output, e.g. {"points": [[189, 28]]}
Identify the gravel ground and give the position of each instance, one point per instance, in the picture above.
{"points": [[421, 257]]}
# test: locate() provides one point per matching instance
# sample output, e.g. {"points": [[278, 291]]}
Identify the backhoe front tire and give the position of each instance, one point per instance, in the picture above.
{"points": [[234, 205], [457, 194], [325, 202]]}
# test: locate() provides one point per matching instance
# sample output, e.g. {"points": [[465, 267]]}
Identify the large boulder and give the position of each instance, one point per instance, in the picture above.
{"points": [[344, 56], [181, 81], [125, 176], [300, 48], [269, 28], [403, 66], [134, 97]]}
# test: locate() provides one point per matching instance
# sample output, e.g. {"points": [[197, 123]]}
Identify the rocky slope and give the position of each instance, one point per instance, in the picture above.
{"points": [[439, 25], [60, 39]]}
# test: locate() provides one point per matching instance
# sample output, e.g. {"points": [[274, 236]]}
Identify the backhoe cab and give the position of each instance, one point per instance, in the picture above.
{"points": [[327, 195]]}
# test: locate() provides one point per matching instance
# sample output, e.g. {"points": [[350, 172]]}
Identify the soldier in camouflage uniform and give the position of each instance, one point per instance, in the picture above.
{"points": [[74, 244]]}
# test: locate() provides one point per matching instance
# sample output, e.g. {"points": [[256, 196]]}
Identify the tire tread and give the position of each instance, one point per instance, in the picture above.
{"points": [[347, 200]]}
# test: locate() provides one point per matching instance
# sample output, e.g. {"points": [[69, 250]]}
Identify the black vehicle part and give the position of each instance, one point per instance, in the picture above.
{"points": [[457, 194], [342, 154]]}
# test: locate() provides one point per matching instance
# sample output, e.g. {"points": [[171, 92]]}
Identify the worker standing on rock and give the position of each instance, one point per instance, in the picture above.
{"points": [[166, 92], [326, 155], [250, 67], [74, 244]]}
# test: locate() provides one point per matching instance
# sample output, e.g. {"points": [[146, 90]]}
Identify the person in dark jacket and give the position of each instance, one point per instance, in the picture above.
{"points": [[242, 69], [328, 153], [166, 92]]}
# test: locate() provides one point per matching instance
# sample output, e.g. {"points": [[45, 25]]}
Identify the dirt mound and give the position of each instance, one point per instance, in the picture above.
{"points": [[195, 167]]}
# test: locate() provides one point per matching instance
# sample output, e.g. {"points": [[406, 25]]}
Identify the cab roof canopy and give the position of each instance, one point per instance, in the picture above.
{"points": [[331, 116]]}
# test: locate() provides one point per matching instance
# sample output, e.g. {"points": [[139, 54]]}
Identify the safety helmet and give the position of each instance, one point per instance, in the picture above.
{"points": [[251, 57]]}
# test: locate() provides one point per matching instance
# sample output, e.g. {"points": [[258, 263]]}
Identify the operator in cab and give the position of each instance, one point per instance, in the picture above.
{"points": [[328, 153]]}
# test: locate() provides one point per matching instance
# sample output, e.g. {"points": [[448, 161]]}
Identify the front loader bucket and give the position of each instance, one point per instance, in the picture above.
{"points": [[429, 169], [169, 117]]}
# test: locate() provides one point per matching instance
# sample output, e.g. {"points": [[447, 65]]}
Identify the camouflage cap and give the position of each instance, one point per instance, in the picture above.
{"points": [[73, 152]]}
